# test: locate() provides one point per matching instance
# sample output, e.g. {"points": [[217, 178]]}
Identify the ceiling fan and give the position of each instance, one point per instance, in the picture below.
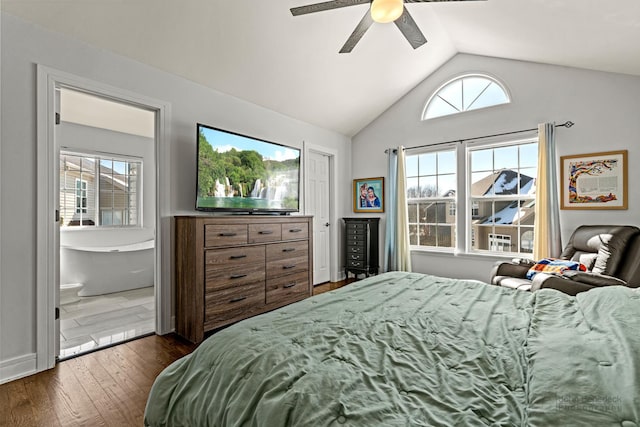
{"points": [[382, 11]]}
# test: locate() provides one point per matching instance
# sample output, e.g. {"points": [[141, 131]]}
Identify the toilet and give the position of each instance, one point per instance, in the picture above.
{"points": [[69, 293]]}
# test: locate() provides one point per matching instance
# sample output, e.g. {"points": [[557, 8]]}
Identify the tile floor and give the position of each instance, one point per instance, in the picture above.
{"points": [[100, 321]]}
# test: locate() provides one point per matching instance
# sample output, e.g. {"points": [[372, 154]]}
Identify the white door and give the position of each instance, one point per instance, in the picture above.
{"points": [[318, 205]]}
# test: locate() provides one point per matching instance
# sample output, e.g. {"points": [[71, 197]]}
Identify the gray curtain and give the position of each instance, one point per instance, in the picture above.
{"points": [[397, 256]]}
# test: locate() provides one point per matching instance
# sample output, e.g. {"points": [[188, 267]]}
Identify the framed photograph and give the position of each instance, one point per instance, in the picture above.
{"points": [[368, 195], [594, 181]]}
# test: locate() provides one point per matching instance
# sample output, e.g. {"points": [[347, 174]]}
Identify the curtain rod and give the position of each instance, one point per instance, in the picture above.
{"points": [[566, 124]]}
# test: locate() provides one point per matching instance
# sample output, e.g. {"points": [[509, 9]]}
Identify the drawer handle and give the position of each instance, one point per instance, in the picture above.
{"points": [[288, 249], [287, 267], [355, 256], [265, 232], [295, 230], [228, 234], [238, 299], [290, 285], [237, 256], [238, 276]]}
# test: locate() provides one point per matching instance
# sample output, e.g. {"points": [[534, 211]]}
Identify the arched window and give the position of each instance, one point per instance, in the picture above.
{"points": [[465, 93]]}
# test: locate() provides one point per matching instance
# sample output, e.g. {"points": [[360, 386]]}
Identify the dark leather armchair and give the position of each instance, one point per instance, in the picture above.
{"points": [[611, 254]]}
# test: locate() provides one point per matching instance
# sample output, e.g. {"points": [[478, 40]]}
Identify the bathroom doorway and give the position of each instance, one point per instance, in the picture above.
{"points": [[107, 220]]}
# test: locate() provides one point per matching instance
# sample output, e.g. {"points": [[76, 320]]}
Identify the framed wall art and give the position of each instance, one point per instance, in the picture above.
{"points": [[368, 195], [594, 181]]}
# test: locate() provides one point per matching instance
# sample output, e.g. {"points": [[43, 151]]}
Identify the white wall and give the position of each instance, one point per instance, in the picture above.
{"points": [[24, 46], [604, 106]]}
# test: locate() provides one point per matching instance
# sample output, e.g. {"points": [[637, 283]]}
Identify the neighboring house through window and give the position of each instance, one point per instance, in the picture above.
{"points": [[99, 190], [502, 185]]}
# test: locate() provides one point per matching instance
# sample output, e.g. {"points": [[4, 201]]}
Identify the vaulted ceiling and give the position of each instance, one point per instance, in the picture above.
{"points": [[259, 52]]}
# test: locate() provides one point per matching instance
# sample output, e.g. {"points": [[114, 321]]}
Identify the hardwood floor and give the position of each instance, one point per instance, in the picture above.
{"points": [[105, 388], [108, 387], [329, 286]]}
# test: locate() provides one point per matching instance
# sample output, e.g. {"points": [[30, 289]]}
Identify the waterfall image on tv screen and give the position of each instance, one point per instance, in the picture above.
{"points": [[240, 173]]}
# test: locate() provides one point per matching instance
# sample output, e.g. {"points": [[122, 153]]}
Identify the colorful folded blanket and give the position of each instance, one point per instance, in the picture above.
{"points": [[554, 266]]}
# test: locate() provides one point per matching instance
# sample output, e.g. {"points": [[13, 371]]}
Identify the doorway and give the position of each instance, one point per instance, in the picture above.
{"points": [[106, 203], [319, 167], [49, 218]]}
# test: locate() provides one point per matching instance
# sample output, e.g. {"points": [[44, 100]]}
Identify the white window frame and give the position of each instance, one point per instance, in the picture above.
{"points": [[470, 200], [465, 203], [440, 199], [98, 157], [438, 91], [81, 195]]}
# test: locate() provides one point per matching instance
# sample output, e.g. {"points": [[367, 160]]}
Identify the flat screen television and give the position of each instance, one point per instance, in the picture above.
{"points": [[238, 173]]}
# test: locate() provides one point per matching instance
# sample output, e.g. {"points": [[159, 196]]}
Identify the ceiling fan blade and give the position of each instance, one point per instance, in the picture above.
{"points": [[435, 1], [410, 30], [357, 34], [327, 5]]}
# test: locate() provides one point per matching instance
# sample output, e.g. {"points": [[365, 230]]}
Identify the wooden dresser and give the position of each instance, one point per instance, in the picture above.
{"points": [[229, 268]]}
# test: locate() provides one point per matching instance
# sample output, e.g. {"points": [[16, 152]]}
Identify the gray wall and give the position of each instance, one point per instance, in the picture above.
{"points": [[604, 106], [24, 46]]}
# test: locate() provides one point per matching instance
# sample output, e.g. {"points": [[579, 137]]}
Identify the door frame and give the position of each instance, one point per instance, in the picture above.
{"points": [[333, 212], [47, 232]]}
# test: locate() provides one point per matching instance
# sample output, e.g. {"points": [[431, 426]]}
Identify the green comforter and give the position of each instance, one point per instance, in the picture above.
{"points": [[406, 349]]}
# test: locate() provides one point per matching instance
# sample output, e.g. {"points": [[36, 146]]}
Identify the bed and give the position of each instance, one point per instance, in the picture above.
{"points": [[407, 349]]}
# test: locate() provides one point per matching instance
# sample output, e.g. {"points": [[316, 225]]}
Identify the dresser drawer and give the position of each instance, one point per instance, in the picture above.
{"points": [[295, 230], [355, 249], [287, 266], [355, 264], [360, 256], [216, 279], [356, 235], [260, 233], [353, 226], [224, 235], [287, 289], [356, 239], [224, 258], [237, 302], [287, 250]]}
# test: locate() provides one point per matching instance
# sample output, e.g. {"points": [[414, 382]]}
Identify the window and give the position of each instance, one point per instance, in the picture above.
{"points": [[431, 191], [502, 196], [99, 191], [499, 243], [497, 184], [81, 196], [465, 93]]}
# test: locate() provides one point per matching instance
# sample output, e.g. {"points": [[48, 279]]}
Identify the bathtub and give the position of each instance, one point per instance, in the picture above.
{"points": [[108, 269]]}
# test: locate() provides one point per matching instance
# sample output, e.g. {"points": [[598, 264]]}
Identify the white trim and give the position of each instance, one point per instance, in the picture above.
{"points": [[46, 238], [1, 287], [334, 273], [17, 367]]}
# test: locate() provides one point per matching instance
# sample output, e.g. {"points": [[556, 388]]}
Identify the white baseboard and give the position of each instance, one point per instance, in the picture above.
{"points": [[18, 367]]}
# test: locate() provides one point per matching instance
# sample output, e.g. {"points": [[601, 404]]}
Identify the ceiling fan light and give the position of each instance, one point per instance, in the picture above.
{"points": [[384, 11]]}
